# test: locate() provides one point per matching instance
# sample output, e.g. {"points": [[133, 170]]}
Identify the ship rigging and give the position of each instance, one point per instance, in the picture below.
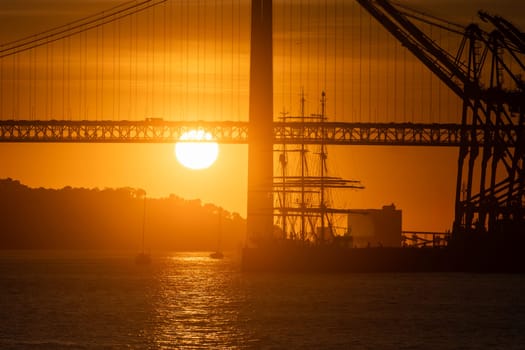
{"points": [[303, 209]]}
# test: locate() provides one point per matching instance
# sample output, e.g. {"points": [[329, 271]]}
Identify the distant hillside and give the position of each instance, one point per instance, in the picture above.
{"points": [[79, 218]]}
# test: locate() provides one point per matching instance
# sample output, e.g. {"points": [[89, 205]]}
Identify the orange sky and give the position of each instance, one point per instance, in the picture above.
{"points": [[420, 181]]}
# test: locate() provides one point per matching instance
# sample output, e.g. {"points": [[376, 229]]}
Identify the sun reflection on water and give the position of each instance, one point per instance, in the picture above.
{"points": [[189, 301], [196, 305]]}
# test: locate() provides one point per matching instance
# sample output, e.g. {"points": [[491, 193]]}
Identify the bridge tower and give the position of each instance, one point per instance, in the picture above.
{"points": [[260, 144]]}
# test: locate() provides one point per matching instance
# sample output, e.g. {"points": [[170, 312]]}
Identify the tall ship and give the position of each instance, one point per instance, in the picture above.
{"points": [[312, 234], [304, 209]]}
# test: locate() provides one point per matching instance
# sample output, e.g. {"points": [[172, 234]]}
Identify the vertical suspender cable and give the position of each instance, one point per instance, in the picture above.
{"points": [[395, 87], [102, 72], [37, 83], [308, 56], [405, 73], [283, 55], [374, 71], [238, 58], [113, 68], [63, 78], [80, 74], [318, 48], [215, 97], [130, 68], [335, 68], [369, 68], [238, 98], [430, 97], [325, 77], [199, 61], [232, 68], [155, 103], [301, 41], [151, 63], [202, 90], [119, 65], [421, 90], [386, 87], [360, 62], [222, 88], [96, 72], [291, 53], [343, 63], [18, 84], [1, 87], [69, 79], [413, 89], [29, 85], [136, 77], [146, 111], [187, 68], [32, 79], [439, 84], [171, 64], [164, 114], [47, 83]]}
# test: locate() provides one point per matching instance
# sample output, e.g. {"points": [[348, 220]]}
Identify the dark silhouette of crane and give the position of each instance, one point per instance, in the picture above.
{"points": [[490, 196]]}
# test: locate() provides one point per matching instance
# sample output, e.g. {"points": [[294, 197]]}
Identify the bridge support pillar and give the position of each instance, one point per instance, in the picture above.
{"points": [[260, 143]]}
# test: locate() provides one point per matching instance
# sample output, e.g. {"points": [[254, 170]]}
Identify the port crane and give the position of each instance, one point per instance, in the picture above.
{"points": [[490, 189]]}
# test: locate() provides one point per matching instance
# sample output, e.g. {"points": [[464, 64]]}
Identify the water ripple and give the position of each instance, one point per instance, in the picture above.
{"points": [[189, 301]]}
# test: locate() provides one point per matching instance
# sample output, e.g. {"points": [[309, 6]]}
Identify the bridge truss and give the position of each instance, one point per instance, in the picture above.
{"points": [[394, 134]]}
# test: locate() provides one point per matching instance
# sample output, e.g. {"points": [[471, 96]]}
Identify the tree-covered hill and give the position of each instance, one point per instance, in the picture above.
{"points": [[79, 218]]}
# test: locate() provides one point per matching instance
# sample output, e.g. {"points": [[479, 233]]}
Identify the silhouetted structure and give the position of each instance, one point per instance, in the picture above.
{"points": [[304, 209], [489, 226], [494, 99], [260, 157], [489, 210], [377, 227]]}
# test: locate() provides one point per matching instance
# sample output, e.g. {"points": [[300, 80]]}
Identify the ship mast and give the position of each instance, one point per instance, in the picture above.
{"points": [[303, 166], [302, 197], [322, 163], [283, 162]]}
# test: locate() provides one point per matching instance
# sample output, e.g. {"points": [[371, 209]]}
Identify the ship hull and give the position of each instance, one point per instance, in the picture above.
{"points": [[304, 258]]}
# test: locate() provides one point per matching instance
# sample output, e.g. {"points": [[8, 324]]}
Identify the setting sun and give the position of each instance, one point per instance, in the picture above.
{"points": [[196, 155]]}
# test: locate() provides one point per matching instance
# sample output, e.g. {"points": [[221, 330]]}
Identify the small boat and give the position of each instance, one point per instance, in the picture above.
{"points": [[218, 254], [143, 258]]}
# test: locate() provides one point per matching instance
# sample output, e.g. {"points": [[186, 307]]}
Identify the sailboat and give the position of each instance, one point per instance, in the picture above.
{"points": [[143, 258], [218, 253]]}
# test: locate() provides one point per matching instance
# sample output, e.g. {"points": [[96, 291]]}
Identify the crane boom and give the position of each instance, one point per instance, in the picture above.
{"points": [[476, 75], [418, 43]]}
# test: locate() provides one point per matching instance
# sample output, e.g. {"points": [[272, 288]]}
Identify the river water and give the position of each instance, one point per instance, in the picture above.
{"points": [[71, 300]]}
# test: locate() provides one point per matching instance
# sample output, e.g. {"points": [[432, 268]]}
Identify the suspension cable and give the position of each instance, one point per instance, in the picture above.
{"points": [[65, 31]]}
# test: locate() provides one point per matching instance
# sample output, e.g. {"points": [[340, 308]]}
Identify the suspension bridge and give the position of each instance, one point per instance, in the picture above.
{"points": [[148, 71]]}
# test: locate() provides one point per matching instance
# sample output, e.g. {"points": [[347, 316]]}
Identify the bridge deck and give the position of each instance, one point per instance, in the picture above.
{"points": [[331, 133]]}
